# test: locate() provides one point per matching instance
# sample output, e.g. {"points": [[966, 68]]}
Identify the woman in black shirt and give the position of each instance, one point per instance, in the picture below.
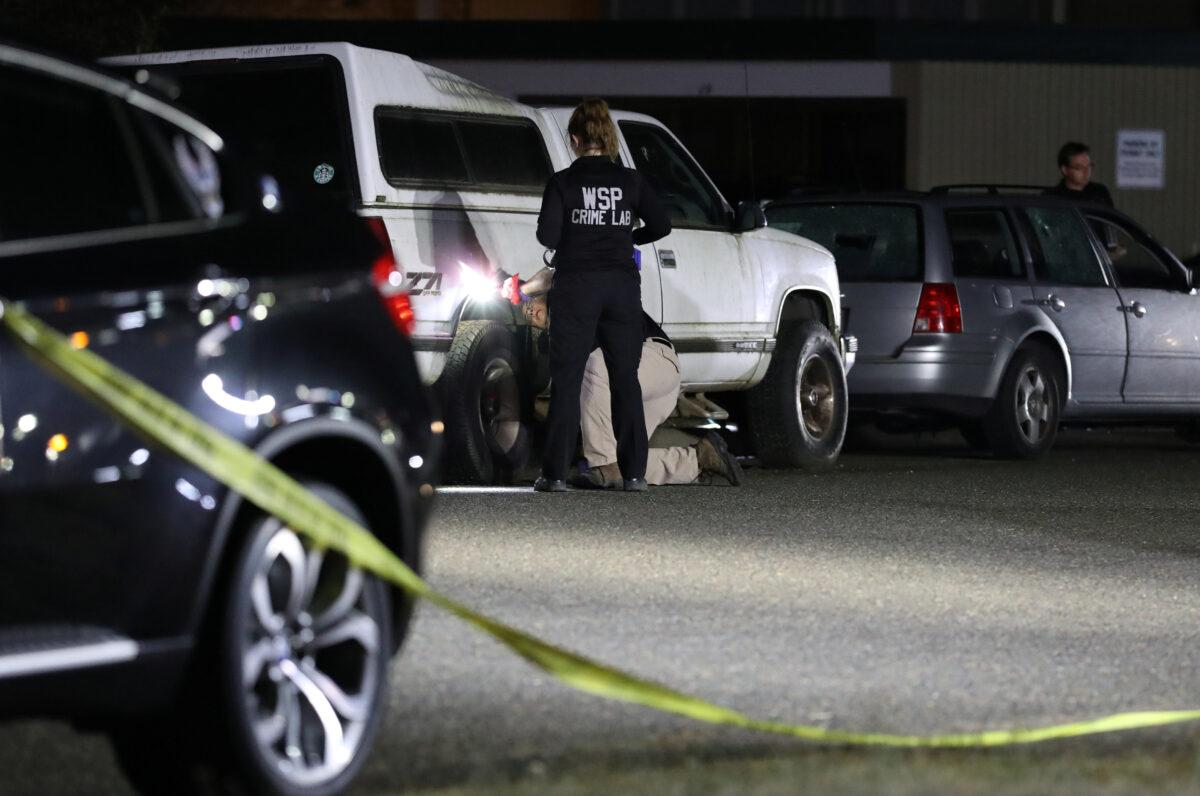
{"points": [[587, 217]]}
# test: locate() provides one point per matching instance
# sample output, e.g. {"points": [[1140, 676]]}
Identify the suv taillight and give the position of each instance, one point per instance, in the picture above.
{"points": [[938, 310], [389, 281]]}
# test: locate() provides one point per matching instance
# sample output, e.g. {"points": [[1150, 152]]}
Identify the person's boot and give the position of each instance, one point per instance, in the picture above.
{"points": [[544, 484], [606, 476], [713, 456]]}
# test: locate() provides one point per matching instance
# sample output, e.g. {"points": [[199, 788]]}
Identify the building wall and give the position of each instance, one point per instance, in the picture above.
{"points": [[1004, 123]]}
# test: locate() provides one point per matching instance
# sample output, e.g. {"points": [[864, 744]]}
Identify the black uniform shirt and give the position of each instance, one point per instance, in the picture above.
{"points": [[588, 213]]}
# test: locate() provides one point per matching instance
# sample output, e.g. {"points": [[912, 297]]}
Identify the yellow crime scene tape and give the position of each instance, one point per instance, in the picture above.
{"points": [[172, 427]]}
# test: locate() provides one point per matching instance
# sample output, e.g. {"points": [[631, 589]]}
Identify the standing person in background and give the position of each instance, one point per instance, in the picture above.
{"points": [[587, 217], [1075, 164]]}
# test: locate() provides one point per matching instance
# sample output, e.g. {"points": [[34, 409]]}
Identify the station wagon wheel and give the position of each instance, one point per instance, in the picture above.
{"points": [[1033, 411], [1023, 420], [796, 417], [305, 654]]}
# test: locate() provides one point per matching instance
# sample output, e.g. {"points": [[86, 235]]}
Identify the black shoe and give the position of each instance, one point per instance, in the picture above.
{"points": [[544, 484], [635, 485], [719, 460]]}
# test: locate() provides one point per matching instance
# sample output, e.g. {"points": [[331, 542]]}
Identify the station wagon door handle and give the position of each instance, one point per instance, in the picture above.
{"points": [[1137, 309], [666, 258], [1053, 302]]}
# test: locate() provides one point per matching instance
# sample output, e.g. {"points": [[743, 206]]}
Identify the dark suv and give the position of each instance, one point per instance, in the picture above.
{"points": [[1006, 311], [137, 594]]}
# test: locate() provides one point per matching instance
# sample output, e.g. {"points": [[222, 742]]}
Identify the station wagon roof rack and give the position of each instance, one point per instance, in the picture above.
{"points": [[983, 187]]}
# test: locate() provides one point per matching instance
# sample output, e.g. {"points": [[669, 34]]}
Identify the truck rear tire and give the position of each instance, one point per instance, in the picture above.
{"points": [[485, 404], [797, 415]]}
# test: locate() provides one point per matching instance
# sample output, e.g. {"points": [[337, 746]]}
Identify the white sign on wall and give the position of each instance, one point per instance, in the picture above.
{"points": [[1141, 159]]}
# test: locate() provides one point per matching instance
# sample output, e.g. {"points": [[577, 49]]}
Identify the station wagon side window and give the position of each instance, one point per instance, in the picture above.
{"points": [[1134, 263], [684, 191], [982, 244], [1062, 253], [435, 150], [69, 165]]}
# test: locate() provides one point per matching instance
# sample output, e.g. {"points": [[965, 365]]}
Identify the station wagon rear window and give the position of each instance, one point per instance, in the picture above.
{"points": [[870, 243], [424, 149]]}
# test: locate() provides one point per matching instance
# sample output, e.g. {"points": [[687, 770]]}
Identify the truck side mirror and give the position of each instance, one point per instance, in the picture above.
{"points": [[748, 217]]}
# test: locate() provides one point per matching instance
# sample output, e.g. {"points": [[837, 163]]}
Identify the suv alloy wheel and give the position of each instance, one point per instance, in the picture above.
{"points": [[291, 697]]}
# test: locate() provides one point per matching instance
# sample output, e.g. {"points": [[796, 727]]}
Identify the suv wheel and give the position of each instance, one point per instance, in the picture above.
{"points": [[300, 669], [798, 413], [486, 424], [1023, 420]]}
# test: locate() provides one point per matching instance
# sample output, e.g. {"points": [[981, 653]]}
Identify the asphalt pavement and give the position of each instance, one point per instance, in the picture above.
{"points": [[915, 588]]}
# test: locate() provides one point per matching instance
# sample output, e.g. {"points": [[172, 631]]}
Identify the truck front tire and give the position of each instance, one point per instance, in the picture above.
{"points": [[483, 396], [797, 415]]}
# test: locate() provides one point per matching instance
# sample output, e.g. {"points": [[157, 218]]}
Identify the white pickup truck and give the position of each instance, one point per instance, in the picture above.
{"points": [[455, 173]]}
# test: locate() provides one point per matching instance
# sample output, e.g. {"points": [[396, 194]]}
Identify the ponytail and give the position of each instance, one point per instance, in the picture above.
{"points": [[592, 125]]}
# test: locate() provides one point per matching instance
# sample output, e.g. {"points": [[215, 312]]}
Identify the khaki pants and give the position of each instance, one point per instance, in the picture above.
{"points": [[658, 375]]}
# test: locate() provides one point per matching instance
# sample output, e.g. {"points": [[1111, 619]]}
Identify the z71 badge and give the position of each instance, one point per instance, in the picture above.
{"points": [[424, 283]]}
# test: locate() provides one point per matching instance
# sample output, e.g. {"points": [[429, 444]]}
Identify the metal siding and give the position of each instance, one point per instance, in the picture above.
{"points": [[1003, 123]]}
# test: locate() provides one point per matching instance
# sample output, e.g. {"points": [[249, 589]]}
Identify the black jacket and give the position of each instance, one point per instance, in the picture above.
{"points": [[588, 213], [1092, 192]]}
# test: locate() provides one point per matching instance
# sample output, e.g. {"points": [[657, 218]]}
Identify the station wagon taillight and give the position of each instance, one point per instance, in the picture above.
{"points": [[938, 310], [389, 281]]}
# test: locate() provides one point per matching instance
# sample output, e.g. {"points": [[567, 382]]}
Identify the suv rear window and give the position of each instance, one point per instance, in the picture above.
{"points": [[871, 243], [480, 154]]}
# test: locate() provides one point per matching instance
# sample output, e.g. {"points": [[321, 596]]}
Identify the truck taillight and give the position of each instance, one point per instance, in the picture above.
{"points": [[938, 310], [389, 281]]}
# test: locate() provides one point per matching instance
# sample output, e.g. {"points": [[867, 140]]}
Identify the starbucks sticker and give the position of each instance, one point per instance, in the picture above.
{"points": [[323, 173]]}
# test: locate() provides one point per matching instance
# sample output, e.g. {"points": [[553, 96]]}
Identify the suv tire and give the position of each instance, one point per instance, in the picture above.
{"points": [[323, 690], [797, 415], [487, 425], [1023, 419]]}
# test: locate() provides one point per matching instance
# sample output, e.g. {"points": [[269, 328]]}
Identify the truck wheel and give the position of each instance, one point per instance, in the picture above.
{"points": [[1023, 419], [798, 413], [487, 430], [291, 692]]}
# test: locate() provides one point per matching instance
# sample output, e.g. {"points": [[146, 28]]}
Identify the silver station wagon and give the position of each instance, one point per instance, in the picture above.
{"points": [[1006, 312]]}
